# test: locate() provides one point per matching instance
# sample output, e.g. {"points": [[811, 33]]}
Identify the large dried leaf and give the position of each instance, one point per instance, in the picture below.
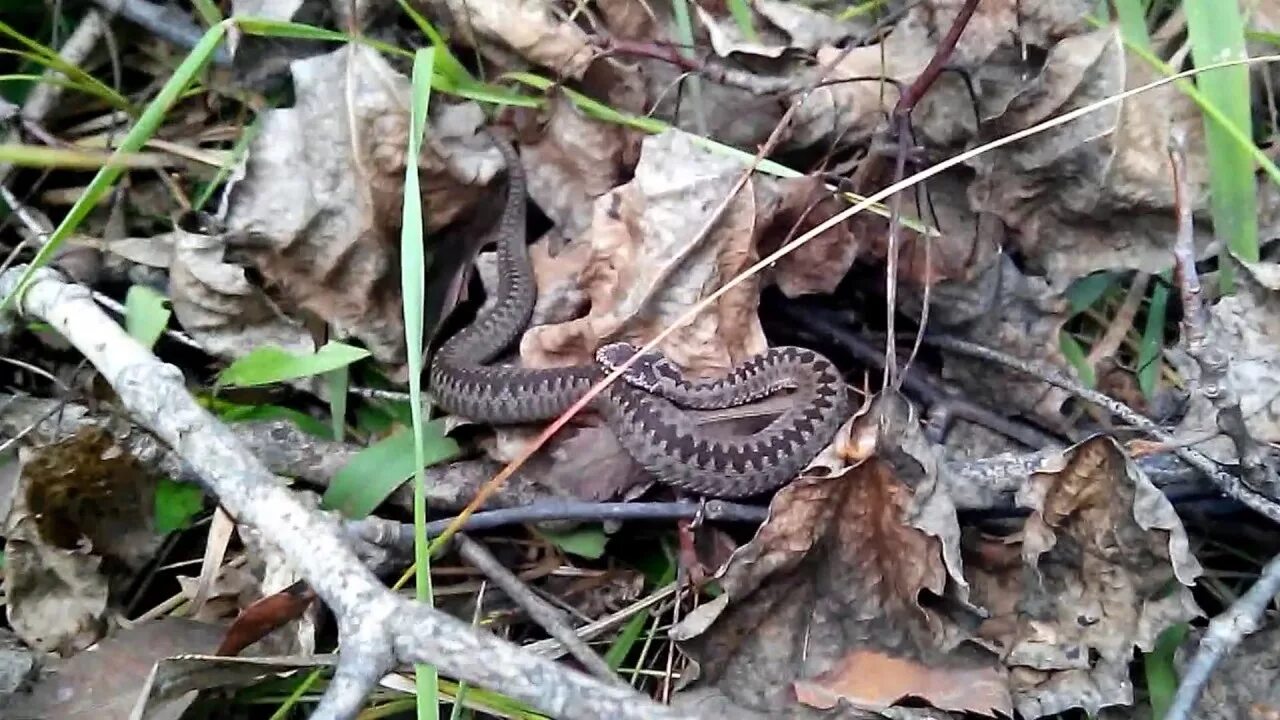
{"points": [[1102, 567], [648, 264], [835, 581], [317, 208]]}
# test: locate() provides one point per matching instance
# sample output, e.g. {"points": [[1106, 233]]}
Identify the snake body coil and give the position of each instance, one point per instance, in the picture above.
{"points": [[643, 411]]}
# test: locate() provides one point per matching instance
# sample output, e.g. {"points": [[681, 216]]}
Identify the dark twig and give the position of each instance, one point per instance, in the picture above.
{"points": [[1227, 483], [167, 23], [398, 537], [549, 618], [1223, 634], [943, 406], [1215, 379]]}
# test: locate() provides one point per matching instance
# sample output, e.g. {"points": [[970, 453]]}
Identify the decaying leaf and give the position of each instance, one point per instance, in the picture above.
{"points": [[108, 682], [79, 501], [856, 590], [317, 205], [1245, 327], [1101, 568], [220, 308], [838, 576]]}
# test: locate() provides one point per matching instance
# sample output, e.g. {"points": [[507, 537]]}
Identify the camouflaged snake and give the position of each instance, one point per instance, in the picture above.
{"points": [[644, 412]]}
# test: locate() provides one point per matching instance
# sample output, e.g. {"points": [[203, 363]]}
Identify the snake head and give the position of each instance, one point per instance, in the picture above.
{"points": [[649, 372]]}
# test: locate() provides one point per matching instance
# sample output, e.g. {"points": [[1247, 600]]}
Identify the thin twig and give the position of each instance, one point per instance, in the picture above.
{"points": [[1223, 634], [1227, 483], [1215, 364], [398, 537], [549, 618]]}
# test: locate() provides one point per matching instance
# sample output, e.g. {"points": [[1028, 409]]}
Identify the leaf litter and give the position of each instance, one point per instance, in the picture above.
{"points": [[865, 590]]}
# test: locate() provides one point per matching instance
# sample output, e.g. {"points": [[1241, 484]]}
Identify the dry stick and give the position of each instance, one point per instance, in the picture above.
{"points": [[1215, 365], [693, 312], [901, 124], [399, 536], [1223, 634], [551, 619], [378, 629], [1227, 483]]}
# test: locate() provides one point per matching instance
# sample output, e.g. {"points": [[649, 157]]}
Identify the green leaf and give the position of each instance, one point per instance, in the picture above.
{"points": [[176, 504], [375, 472], [587, 542], [1086, 291], [271, 364], [1216, 32], [1079, 360], [146, 314], [1162, 677], [234, 412]]}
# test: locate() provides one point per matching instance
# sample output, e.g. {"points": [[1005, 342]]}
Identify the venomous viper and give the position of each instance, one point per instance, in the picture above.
{"points": [[644, 411]]}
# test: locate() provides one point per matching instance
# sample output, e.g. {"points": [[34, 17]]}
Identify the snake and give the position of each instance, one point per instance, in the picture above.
{"points": [[647, 410]]}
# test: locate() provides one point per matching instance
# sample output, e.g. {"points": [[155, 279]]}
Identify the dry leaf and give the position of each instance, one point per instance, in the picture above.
{"points": [[839, 568], [108, 681], [1104, 566], [1244, 326], [318, 206]]}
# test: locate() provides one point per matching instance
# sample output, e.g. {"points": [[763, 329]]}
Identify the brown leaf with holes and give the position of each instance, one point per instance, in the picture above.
{"points": [[839, 573], [1103, 566]]}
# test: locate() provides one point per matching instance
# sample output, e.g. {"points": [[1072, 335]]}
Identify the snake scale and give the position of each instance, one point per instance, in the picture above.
{"points": [[643, 409]]}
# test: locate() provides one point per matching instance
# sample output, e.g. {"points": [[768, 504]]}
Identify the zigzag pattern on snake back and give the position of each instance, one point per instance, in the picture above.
{"points": [[644, 411]]}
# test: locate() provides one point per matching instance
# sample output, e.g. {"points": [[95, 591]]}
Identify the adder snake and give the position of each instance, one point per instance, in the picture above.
{"points": [[643, 409]]}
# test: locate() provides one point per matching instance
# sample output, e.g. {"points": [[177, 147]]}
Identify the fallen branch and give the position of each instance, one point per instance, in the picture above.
{"points": [[378, 629], [1215, 365], [1223, 634]]}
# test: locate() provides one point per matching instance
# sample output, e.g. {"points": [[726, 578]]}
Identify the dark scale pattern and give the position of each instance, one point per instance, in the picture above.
{"points": [[644, 409]]}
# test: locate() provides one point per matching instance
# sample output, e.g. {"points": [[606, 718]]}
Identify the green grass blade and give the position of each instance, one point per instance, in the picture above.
{"points": [[1216, 31], [1153, 337], [64, 82], [446, 62], [741, 12], [1162, 677], [375, 472], [1132, 16], [413, 293], [50, 58], [1074, 352], [208, 10], [44, 156], [141, 131], [285, 29]]}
